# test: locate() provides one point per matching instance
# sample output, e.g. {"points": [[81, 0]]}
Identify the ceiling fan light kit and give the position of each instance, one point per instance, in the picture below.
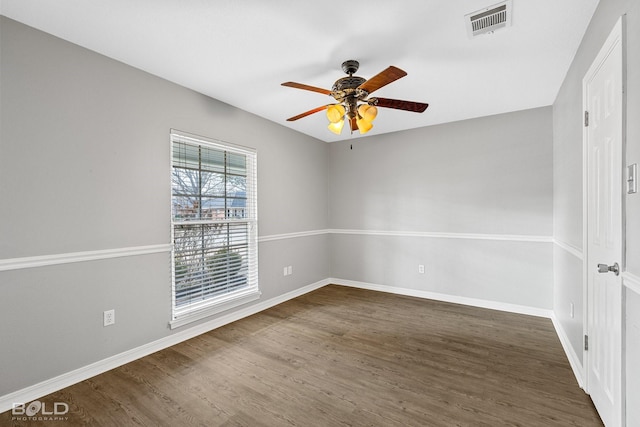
{"points": [[354, 105]]}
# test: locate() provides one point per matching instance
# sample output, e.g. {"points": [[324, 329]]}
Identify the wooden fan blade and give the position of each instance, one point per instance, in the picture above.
{"points": [[307, 113], [354, 124], [307, 87], [400, 104], [383, 78]]}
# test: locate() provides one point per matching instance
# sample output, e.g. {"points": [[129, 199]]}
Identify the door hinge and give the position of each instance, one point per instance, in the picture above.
{"points": [[586, 118], [586, 342]]}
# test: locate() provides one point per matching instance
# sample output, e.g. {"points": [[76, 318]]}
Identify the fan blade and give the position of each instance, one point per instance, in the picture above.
{"points": [[307, 113], [307, 87], [383, 78], [354, 124], [400, 104]]}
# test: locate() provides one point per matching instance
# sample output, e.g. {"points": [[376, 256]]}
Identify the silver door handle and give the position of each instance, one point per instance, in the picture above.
{"points": [[604, 268]]}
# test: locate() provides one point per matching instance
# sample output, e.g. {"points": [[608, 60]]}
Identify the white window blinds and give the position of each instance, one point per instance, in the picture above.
{"points": [[214, 224]]}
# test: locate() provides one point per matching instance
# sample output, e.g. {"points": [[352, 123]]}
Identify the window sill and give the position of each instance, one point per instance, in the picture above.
{"points": [[218, 306]]}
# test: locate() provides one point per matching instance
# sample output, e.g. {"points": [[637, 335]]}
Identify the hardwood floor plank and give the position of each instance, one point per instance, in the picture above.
{"points": [[342, 356]]}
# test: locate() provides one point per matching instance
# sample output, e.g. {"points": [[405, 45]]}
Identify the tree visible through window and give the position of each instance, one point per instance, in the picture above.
{"points": [[214, 223]]}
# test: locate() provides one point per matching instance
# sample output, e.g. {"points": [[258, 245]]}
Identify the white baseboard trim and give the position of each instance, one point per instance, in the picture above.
{"points": [[36, 391], [475, 302], [574, 361]]}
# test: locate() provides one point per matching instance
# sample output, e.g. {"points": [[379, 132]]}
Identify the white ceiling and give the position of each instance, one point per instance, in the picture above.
{"points": [[239, 51]]}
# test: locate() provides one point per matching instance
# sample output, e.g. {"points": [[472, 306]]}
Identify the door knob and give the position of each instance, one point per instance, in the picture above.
{"points": [[604, 268]]}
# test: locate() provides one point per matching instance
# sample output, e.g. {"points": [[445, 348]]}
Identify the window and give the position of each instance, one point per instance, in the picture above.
{"points": [[214, 227]]}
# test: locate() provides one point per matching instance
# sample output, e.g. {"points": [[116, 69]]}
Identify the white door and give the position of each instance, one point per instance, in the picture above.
{"points": [[603, 98]]}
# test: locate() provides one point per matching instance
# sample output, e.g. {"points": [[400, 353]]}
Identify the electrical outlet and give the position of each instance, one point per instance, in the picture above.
{"points": [[109, 317], [421, 269], [284, 272], [290, 270]]}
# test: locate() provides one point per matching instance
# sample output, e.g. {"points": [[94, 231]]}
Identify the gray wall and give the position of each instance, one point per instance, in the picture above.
{"points": [[488, 176], [567, 136], [85, 166]]}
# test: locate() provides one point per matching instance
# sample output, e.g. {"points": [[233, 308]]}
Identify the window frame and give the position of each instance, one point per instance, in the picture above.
{"points": [[184, 314]]}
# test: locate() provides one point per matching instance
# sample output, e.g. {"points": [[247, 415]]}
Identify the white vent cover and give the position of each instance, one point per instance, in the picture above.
{"points": [[489, 19]]}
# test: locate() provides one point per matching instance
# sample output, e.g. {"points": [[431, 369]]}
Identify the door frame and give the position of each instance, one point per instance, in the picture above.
{"points": [[617, 35]]}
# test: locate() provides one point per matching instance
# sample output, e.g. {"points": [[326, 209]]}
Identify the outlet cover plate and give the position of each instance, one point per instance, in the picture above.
{"points": [[109, 317]]}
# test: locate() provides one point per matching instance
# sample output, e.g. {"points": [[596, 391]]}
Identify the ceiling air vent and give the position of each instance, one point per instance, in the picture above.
{"points": [[489, 19]]}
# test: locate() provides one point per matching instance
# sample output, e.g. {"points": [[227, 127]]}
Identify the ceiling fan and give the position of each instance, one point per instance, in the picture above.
{"points": [[354, 105]]}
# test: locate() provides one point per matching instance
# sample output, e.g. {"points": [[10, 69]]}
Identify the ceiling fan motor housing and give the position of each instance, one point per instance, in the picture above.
{"points": [[350, 82]]}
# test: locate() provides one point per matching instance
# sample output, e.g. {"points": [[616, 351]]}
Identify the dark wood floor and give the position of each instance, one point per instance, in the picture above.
{"points": [[345, 357]]}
